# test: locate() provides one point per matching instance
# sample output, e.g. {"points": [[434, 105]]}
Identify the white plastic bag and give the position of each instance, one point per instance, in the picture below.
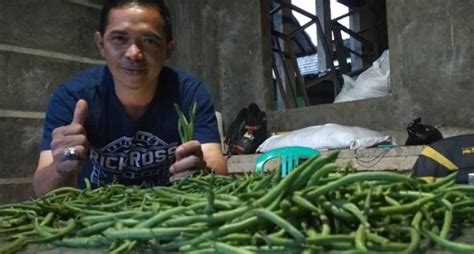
{"points": [[328, 136], [374, 82]]}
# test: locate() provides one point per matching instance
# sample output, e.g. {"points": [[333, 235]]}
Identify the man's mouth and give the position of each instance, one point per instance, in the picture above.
{"points": [[133, 70]]}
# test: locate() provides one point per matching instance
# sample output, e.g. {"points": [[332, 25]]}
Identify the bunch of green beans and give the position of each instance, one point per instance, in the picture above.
{"points": [[185, 125], [317, 207]]}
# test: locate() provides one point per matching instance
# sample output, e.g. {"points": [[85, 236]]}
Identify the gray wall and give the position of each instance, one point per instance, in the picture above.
{"points": [[225, 43], [39, 48], [432, 60]]}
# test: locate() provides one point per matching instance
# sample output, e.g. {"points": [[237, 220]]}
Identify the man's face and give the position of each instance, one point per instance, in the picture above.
{"points": [[135, 46]]}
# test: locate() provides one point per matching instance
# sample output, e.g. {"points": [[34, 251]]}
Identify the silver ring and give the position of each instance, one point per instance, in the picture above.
{"points": [[70, 154]]}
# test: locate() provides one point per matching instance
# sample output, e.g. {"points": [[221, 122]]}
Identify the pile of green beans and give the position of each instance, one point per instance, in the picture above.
{"points": [[317, 207]]}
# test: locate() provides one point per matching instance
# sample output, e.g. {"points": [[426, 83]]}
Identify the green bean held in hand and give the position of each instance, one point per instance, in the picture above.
{"points": [[185, 126], [186, 131]]}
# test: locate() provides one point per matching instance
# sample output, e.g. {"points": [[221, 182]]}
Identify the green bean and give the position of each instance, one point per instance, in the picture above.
{"points": [[84, 211], [82, 242], [149, 233], [16, 245], [18, 229], [335, 210], [325, 228], [185, 127], [463, 204], [285, 184], [47, 236], [354, 210], [448, 217], [62, 190], [464, 188], [375, 238], [24, 206], [112, 205], [389, 247], [323, 171], [279, 241], [361, 238], [236, 237], [330, 239], [305, 204], [124, 247], [455, 247], [242, 186], [415, 240], [96, 228], [445, 181], [225, 230], [367, 203], [290, 229], [160, 217], [263, 183], [225, 248], [108, 216], [403, 209], [364, 176], [391, 201], [210, 207]]}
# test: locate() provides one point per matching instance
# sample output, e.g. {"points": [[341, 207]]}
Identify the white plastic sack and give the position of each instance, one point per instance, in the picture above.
{"points": [[374, 82], [328, 136]]}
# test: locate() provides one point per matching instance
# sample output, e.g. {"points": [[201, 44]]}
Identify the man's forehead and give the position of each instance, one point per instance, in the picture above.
{"points": [[135, 15]]}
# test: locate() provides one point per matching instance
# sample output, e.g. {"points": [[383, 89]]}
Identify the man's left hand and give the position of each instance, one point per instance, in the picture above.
{"points": [[189, 157]]}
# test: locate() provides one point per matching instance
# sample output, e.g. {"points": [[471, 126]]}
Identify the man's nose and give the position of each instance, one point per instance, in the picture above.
{"points": [[134, 52]]}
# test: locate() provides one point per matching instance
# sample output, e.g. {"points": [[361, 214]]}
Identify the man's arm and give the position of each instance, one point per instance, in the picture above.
{"points": [[212, 154], [54, 169]]}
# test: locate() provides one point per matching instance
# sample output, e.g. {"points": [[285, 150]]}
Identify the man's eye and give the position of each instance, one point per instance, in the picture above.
{"points": [[118, 38], [150, 41]]}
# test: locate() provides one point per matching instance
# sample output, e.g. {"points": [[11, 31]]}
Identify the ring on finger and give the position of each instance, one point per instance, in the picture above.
{"points": [[70, 154]]}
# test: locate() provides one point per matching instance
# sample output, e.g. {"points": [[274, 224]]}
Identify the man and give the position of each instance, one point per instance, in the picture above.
{"points": [[117, 123]]}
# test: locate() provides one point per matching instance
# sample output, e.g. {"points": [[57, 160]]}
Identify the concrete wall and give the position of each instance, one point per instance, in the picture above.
{"points": [[226, 44], [40, 47], [432, 60]]}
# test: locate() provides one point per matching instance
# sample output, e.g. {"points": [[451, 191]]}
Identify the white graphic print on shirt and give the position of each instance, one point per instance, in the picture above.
{"points": [[127, 159]]}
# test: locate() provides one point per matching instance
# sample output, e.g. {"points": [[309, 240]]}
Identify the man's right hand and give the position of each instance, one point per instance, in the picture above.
{"points": [[71, 136]]}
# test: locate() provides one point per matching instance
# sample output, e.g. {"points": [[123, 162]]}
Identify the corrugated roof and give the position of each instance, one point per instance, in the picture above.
{"points": [[308, 64]]}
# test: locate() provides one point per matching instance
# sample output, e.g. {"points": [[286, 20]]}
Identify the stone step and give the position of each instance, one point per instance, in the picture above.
{"points": [[399, 158]]}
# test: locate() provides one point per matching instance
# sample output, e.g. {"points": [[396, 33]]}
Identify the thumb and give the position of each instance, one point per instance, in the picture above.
{"points": [[80, 113]]}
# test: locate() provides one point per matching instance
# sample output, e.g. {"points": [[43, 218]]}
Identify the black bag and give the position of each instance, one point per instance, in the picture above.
{"points": [[421, 134], [247, 131]]}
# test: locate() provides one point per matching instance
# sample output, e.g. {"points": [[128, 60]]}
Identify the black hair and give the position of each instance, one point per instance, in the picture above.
{"points": [[158, 4]]}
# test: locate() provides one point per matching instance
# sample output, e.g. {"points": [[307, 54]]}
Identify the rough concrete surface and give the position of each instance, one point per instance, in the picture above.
{"points": [[14, 193], [53, 25], [223, 43], [20, 146], [27, 82]]}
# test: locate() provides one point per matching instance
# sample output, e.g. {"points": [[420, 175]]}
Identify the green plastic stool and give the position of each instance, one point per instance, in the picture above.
{"points": [[290, 157]]}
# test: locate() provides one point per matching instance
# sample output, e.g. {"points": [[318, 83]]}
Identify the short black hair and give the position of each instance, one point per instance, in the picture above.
{"points": [[158, 4]]}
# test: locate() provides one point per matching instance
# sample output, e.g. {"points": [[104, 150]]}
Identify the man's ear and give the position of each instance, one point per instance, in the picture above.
{"points": [[99, 43], [171, 47]]}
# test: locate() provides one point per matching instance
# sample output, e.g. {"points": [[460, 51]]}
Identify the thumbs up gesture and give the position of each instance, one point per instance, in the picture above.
{"points": [[69, 144]]}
